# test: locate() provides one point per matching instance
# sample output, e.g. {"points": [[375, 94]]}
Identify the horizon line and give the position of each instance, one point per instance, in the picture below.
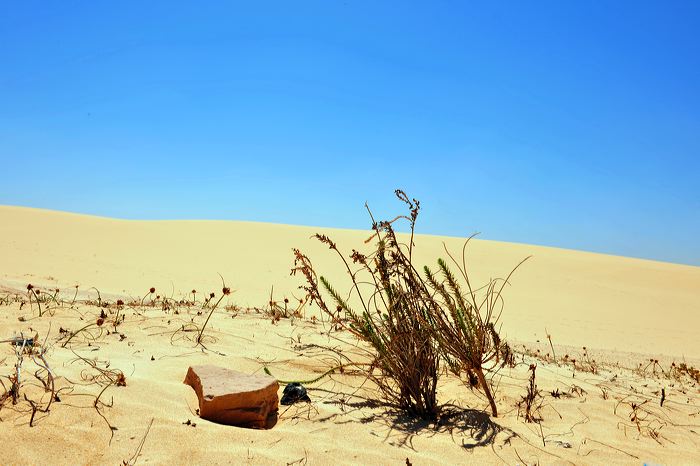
{"points": [[477, 236]]}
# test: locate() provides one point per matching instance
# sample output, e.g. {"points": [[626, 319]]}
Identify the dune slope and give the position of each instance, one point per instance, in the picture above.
{"points": [[583, 299], [589, 412]]}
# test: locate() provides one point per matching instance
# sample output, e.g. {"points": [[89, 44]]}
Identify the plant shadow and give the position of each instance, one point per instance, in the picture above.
{"points": [[470, 427]]}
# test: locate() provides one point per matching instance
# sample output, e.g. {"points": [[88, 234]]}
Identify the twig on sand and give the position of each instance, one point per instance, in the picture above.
{"points": [[549, 337], [49, 385], [542, 435], [132, 461], [72, 334], [610, 446]]}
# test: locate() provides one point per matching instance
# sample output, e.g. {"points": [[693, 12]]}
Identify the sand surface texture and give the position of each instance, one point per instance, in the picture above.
{"points": [[120, 386]]}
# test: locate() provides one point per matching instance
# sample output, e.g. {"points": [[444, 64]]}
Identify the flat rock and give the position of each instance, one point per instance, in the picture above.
{"points": [[234, 398]]}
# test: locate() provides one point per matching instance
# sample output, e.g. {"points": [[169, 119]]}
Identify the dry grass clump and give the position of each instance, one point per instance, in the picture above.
{"points": [[530, 404], [639, 416], [47, 298], [284, 309], [413, 322], [683, 369], [393, 320]]}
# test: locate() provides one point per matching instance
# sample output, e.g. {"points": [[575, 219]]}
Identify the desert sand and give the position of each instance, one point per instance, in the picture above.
{"points": [[624, 311]]}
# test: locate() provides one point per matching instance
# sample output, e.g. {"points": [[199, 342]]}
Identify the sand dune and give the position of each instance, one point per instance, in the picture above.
{"points": [[597, 300], [622, 309]]}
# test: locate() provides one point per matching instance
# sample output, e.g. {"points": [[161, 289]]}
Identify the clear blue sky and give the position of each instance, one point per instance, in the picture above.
{"points": [[570, 124]]}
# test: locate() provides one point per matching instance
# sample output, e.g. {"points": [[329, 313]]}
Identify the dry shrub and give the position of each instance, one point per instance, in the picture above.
{"points": [[392, 320], [413, 322]]}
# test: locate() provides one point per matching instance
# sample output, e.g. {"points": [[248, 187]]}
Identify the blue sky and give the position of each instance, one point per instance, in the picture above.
{"points": [[569, 124]]}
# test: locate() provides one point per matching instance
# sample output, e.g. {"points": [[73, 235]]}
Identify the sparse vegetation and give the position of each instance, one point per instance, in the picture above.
{"points": [[94, 315], [410, 330]]}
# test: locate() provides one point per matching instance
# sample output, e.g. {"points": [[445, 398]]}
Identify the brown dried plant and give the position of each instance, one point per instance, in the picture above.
{"points": [[276, 310], [412, 321], [530, 404], [225, 291], [391, 319]]}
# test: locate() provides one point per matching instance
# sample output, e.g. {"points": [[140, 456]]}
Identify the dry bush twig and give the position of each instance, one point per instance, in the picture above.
{"points": [[225, 291], [105, 378], [464, 324], [31, 348], [33, 292], [531, 403]]}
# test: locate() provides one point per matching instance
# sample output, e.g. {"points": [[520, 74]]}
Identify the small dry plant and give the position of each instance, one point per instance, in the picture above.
{"points": [[640, 417], [529, 406], [277, 310], [391, 319], [678, 371], [464, 324]]}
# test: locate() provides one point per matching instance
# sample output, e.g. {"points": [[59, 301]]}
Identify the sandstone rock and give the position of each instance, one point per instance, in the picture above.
{"points": [[234, 398]]}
